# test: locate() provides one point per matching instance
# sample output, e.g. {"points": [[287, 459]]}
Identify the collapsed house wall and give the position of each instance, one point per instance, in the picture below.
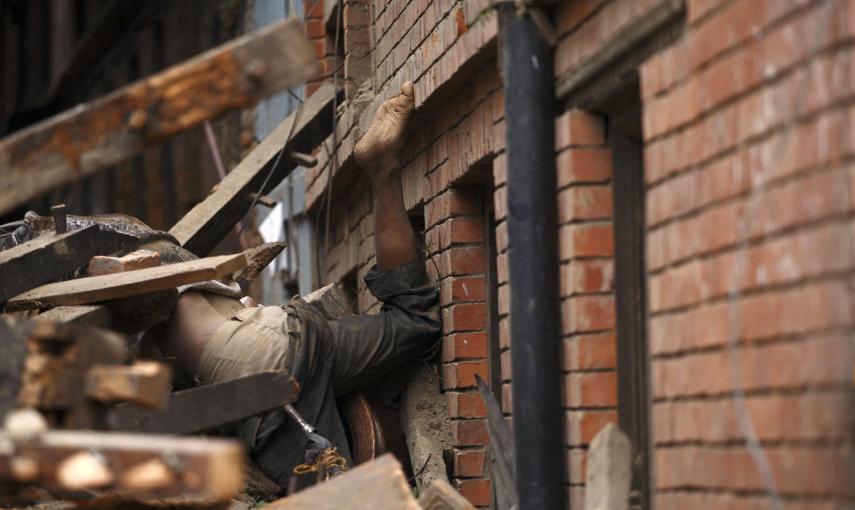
{"points": [[724, 300]]}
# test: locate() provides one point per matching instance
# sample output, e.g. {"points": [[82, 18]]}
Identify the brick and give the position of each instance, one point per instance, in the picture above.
{"points": [[821, 360], [463, 289], [478, 492], [460, 346], [464, 317], [731, 468], [584, 276], [807, 416], [470, 463], [578, 128], [586, 240], [589, 352], [582, 426], [590, 390], [583, 165], [469, 432], [587, 313], [466, 405], [584, 203], [466, 230], [463, 261], [140, 259], [461, 374]]}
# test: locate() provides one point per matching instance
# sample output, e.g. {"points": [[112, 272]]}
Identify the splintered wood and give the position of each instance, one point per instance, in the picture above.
{"points": [[97, 135], [131, 283], [206, 470]]}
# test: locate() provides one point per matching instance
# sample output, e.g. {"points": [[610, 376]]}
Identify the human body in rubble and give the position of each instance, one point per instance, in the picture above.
{"points": [[216, 338]]}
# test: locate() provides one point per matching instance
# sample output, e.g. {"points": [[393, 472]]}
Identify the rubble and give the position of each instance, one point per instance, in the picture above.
{"points": [[90, 418]]}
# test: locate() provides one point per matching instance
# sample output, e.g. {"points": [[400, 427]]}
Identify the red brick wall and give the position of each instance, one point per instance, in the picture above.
{"points": [[748, 137], [747, 157]]}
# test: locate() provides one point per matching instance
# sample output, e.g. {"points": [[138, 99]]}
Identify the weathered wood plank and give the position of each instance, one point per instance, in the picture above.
{"points": [[95, 135], [125, 464], [211, 406], [377, 485], [93, 289], [145, 383], [88, 315], [50, 256], [207, 223]]}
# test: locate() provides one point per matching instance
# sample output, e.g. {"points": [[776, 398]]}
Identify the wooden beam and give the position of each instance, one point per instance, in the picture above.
{"points": [[379, 485], [93, 289], [210, 406], [97, 135], [124, 464], [206, 224], [144, 383], [50, 256]]}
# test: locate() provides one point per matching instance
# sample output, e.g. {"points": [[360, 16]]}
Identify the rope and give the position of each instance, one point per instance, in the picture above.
{"points": [[328, 462]]}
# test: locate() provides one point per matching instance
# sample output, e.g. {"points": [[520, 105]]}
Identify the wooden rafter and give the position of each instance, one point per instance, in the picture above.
{"points": [[96, 135]]}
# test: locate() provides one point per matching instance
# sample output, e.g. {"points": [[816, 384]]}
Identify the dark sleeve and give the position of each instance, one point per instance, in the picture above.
{"points": [[407, 327]]}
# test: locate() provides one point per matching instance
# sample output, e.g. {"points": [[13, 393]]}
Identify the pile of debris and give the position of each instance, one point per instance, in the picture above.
{"points": [[87, 417]]}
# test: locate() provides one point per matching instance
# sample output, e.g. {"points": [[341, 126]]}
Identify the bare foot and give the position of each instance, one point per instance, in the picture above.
{"points": [[377, 150]]}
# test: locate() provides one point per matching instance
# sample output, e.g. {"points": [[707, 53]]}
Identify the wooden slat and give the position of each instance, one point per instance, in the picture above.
{"points": [[210, 406], [378, 485], [109, 130], [131, 283], [51, 255], [194, 468], [209, 222]]}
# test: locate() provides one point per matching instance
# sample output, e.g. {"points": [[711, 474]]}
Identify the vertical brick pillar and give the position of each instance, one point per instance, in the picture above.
{"points": [[455, 240], [584, 201], [313, 14]]}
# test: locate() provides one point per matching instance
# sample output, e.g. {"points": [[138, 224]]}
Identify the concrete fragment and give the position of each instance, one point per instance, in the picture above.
{"points": [[140, 259], [609, 470]]}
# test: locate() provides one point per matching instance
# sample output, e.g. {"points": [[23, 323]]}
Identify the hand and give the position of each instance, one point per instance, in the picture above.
{"points": [[377, 151]]}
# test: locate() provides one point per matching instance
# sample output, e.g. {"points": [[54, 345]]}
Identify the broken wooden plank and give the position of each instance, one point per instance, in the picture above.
{"points": [[210, 406], [126, 464], [97, 135], [145, 383], [50, 256], [89, 315], [331, 301], [379, 485], [257, 257], [206, 224], [93, 289], [442, 496]]}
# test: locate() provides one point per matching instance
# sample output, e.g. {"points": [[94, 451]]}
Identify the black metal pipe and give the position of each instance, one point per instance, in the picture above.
{"points": [[526, 60]]}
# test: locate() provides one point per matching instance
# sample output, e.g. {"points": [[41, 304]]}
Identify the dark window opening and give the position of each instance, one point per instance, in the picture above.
{"points": [[625, 140]]}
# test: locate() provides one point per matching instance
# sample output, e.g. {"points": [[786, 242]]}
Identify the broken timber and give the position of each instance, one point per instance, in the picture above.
{"points": [[210, 406], [59, 460], [209, 222], [97, 135], [379, 485], [50, 256], [131, 283]]}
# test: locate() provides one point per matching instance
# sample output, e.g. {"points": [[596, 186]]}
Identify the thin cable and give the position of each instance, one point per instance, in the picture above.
{"points": [[334, 161]]}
